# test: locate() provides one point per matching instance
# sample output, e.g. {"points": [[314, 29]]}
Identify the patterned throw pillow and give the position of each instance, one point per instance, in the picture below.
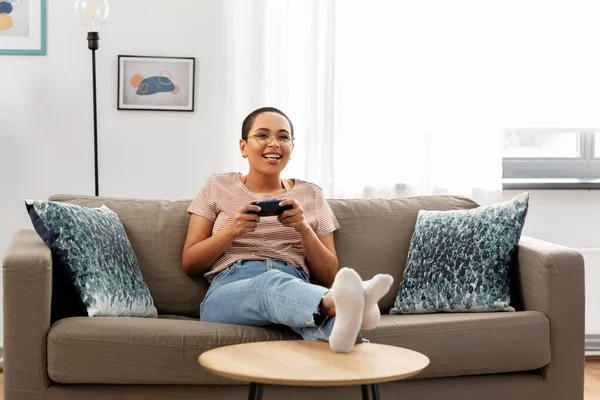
{"points": [[459, 261], [91, 248]]}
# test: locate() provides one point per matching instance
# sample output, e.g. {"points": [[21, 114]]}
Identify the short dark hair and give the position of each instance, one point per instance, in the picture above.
{"points": [[249, 120]]}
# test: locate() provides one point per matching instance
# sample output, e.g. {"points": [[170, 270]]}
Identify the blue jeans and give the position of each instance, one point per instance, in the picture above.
{"points": [[263, 292]]}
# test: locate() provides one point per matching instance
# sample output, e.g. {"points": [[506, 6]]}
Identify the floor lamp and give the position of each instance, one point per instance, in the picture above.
{"points": [[92, 14]]}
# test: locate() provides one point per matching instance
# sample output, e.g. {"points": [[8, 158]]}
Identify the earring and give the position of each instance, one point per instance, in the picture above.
{"points": [[244, 155]]}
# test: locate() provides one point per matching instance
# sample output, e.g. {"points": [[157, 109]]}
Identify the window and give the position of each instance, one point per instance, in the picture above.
{"points": [[551, 156]]}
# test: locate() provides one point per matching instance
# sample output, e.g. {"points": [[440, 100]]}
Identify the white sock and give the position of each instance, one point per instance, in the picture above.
{"points": [[375, 289], [347, 293]]}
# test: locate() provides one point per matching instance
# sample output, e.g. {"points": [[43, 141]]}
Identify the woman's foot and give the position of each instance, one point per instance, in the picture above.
{"points": [[375, 289], [348, 295]]}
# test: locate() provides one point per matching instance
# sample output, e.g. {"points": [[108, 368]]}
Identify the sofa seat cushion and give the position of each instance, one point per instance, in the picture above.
{"points": [[124, 350], [470, 343], [165, 350]]}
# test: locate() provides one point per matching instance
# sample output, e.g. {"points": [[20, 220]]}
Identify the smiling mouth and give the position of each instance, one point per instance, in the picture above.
{"points": [[272, 156]]}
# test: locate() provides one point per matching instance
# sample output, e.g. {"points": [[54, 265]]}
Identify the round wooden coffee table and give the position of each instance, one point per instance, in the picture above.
{"points": [[312, 363]]}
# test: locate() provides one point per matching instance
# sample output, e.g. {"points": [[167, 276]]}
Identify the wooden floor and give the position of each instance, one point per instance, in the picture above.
{"points": [[592, 380]]}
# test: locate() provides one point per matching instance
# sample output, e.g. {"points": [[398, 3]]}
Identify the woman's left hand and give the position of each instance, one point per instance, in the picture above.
{"points": [[293, 218]]}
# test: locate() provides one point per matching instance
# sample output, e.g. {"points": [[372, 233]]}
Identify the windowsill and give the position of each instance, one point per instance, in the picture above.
{"points": [[550, 184]]}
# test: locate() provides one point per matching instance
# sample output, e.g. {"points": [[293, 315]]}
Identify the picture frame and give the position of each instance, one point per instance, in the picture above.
{"points": [[156, 83], [23, 27]]}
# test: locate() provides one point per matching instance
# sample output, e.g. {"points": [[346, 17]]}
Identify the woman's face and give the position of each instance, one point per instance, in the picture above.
{"points": [[269, 143]]}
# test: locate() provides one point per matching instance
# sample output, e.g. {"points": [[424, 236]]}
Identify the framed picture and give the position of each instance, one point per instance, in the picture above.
{"points": [[23, 27], [156, 83]]}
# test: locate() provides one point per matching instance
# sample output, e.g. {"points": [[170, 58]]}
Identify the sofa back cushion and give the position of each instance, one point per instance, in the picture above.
{"points": [[374, 238], [156, 230], [375, 234]]}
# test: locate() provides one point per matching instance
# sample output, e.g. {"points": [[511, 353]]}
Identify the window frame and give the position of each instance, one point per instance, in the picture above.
{"points": [[554, 172]]}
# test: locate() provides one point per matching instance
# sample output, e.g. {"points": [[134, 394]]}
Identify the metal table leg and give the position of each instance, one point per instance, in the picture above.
{"points": [[252, 391], [365, 392], [256, 390], [374, 390]]}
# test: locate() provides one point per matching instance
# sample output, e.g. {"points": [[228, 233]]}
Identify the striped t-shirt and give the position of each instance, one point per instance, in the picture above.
{"points": [[223, 194]]}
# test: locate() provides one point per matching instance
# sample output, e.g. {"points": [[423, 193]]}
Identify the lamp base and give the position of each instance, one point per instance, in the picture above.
{"points": [[93, 40]]}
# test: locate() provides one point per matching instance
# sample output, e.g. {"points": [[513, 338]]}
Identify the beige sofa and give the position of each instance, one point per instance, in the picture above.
{"points": [[534, 353]]}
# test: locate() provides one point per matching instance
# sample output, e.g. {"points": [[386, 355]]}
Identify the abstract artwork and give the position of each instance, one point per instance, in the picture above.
{"points": [[156, 83], [23, 27]]}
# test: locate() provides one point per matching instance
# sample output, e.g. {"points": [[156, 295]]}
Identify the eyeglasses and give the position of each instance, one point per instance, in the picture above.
{"points": [[263, 139]]}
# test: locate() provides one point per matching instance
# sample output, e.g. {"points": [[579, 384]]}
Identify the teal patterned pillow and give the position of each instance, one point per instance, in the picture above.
{"points": [[459, 261], [92, 249]]}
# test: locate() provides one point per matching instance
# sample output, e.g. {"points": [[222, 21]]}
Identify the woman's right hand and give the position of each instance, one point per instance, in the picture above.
{"points": [[244, 222]]}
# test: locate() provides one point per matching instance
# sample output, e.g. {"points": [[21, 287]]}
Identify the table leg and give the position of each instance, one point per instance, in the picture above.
{"points": [[252, 391], [365, 392], [259, 391], [375, 390], [255, 392]]}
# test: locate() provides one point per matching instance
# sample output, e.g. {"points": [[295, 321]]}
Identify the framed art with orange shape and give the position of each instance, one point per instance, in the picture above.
{"points": [[23, 27], [156, 83]]}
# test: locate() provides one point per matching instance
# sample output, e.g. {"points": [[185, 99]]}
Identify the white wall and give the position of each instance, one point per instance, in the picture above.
{"points": [[570, 218]]}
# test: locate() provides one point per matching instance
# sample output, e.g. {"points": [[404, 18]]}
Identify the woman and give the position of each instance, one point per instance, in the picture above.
{"points": [[259, 267]]}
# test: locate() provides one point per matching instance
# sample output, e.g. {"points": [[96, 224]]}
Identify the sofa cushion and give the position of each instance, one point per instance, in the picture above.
{"points": [[470, 343], [375, 234], [374, 237], [166, 350], [90, 247], [459, 261], [156, 230]]}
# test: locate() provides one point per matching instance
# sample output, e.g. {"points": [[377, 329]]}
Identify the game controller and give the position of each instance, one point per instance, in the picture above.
{"points": [[269, 208]]}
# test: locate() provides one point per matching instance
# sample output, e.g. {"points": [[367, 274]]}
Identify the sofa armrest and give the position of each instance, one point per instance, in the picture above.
{"points": [[27, 274], [550, 278]]}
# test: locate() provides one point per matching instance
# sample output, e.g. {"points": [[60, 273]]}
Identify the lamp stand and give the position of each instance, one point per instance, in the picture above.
{"points": [[93, 44]]}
